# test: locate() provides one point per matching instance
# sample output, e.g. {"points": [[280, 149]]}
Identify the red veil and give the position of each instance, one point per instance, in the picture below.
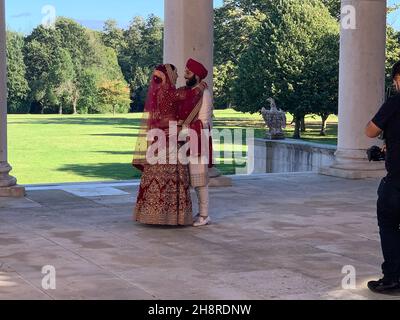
{"points": [[161, 93], [162, 79]]}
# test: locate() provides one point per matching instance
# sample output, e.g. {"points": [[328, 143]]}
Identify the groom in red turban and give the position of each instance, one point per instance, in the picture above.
{"points": [[198, 117], [197, 68]]}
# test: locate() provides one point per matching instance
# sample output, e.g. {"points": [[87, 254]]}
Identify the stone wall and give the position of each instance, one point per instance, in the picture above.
{"points": [[279, 156]]}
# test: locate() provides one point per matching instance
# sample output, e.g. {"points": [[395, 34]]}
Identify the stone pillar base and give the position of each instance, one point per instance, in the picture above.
{"points": [[217, 180], [352, 174], [12, 192], [353, 164], [8, 184]]}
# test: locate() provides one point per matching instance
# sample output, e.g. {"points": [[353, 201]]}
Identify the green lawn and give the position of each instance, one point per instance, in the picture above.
{"points": [[233, 119], [53, 148]]}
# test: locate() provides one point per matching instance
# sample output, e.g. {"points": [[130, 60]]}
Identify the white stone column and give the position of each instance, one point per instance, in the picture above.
{"points": [[361, 88], [8, 187], [189, 33]]}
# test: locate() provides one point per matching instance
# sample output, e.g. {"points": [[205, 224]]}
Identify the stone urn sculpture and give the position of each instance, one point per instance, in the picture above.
{"points": [[275, 121]]}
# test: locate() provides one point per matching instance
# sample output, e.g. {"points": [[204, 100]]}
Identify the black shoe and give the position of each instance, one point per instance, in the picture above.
{"points": [[384, 286]]}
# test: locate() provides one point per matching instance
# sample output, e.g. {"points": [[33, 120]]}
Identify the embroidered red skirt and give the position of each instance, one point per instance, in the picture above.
{"points": [[164, 196]]}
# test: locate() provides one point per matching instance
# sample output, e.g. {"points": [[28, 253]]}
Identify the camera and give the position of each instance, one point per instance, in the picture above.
{"points": [[376, 154]]}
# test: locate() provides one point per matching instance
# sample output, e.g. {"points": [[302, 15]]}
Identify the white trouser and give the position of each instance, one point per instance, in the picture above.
{"points": [[202, 197]]}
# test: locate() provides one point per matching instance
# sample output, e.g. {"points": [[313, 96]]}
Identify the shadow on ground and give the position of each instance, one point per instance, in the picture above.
{"points": [[105, 171]]}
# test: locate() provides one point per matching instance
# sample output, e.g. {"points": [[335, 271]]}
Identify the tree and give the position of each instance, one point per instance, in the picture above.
{"points": [[234, 25], [284, 60], [116, 95], [76, 40], [37, 81], [104, 67], [224, 77], [62, 79], [143, 51], [17, 84], [66, 65], [333, 7], [326, 78], [130, 56], [392, 53], [41, 47], [152, 42], [113, 36]]}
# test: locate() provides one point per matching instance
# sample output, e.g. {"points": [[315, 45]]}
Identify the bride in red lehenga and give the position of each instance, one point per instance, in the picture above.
{"points": [[164, 194]]}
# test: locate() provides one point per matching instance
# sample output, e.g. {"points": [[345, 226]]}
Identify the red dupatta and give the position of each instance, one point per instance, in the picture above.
{"points": [[162, 80], [162, 91], [188, 112]]}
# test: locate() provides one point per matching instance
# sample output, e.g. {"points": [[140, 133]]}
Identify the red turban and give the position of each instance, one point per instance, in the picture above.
{"points": [[197, 68]]}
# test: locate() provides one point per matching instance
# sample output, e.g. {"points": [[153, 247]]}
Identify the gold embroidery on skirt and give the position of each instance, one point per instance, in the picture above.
{"points": [[164, 196]]}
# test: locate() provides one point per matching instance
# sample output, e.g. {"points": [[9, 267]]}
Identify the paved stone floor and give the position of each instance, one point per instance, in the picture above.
{"points": [[281, 236]]}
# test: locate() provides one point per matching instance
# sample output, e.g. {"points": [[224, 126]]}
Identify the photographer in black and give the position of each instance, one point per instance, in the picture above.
{"points": [[387, 120]]}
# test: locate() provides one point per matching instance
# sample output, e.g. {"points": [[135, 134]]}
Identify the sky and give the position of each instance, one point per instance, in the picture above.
{"points": [[24, 15], [394, 18]]}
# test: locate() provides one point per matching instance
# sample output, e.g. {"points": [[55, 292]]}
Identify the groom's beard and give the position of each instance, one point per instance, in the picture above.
{"points": [[191, 82]]}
